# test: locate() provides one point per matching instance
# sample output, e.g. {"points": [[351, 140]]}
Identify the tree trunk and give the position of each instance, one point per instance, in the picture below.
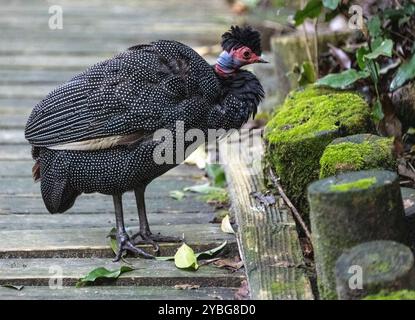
{"points": [[375, 266], [349, 209]]}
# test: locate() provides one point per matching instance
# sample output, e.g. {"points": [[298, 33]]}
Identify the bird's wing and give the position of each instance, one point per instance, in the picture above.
{"points": [[121, 99]]}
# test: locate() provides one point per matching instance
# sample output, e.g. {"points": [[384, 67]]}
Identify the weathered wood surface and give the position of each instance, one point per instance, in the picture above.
{"points": [[267, 235], [36, 272], [33, 61], [117, 293], [58, 241]]}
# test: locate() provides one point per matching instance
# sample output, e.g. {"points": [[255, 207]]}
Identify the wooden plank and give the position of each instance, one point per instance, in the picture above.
{"points": [[89, 204], [35, 272], [26, 186], [30, 221], [54, 62], [267, 235], [12, 136], [92, 242], [23, 168], [14, 104], [34, 77], [117, 293], [13, 121]]}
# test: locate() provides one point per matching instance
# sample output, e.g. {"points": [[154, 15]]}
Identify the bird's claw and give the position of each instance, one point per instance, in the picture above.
{"points": [[149, 238], [125, 244]]}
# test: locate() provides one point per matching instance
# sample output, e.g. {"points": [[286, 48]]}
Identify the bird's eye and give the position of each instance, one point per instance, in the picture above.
{"points": [[246, 54]]}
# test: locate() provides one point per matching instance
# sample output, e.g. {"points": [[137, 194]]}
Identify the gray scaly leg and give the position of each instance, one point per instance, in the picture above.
{"points": [[124, 242]]}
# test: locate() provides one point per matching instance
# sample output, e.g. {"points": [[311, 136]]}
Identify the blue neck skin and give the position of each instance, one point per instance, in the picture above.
{"points": [[225, 64]]}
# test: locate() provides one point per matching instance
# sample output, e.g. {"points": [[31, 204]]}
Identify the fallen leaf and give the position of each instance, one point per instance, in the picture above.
{"points": [[186, 286], [264, 199], [408, 203], [185, 258], [207, 253], [211, 252], [231, 264], [243, 291], [100, 273], [203, 188], [12, 286], [197, 157], [226, 225], [404, 171], [177, 194]]}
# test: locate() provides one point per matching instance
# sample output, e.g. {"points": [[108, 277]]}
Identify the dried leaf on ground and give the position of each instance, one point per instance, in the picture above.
{"points": [[12, 286], [226, 225], [233, 264], [264, 199], [243, 291], [406, 172], [407, 203], [186, 286]]}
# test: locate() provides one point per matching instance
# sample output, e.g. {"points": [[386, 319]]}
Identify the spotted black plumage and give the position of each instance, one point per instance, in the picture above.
{"points": [[95, 132]]}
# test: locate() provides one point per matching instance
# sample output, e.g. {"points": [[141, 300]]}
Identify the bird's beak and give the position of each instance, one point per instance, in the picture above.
{"points": [[260, 60]]}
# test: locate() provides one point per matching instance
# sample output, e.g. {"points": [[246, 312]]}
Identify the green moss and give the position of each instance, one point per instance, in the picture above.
{"points": [[283, 288], [360, 184], [395, 295], [376, 264], [354, 153], [301, 129]]}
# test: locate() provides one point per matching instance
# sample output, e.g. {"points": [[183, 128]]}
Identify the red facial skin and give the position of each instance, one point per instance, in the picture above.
{"points": [[245, 56]]}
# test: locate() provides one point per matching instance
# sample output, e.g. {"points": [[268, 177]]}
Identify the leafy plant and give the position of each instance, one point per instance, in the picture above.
{"points": [[216, 174], [380, 47]]}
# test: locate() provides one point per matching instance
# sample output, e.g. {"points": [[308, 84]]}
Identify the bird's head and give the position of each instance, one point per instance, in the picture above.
{"points": [[241, 46]]}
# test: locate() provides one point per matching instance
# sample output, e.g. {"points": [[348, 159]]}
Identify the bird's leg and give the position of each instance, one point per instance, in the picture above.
{"points": [[123, 240], [145, 233]]}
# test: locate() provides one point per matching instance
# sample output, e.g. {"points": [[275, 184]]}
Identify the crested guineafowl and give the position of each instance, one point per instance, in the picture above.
{"points": [[97, 132]]}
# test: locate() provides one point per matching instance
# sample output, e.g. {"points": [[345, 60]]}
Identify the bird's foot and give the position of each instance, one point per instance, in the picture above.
{"points": [[125, 245], [153, 239]]}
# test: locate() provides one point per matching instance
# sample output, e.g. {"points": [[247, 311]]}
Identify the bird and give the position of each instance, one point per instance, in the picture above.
{"points": [[96, 133]]}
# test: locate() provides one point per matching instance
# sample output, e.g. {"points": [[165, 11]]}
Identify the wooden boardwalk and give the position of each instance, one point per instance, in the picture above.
{"points": [[34, 60]]}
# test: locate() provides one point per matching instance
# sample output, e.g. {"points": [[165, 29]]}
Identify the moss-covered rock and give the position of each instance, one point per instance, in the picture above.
{"points": [[357, 152], [395, 295], [301, 129]]}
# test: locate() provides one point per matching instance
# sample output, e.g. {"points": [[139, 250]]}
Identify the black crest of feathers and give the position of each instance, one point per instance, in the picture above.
{"points": [[237, 37]]}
